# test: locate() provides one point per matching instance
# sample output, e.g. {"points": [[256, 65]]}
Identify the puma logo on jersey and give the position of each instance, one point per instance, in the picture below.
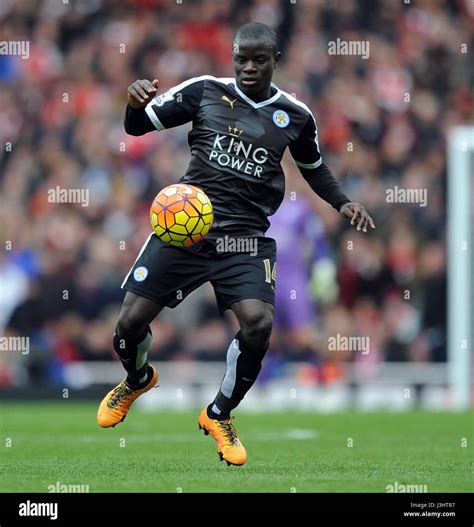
{"points": [[226, 99]]}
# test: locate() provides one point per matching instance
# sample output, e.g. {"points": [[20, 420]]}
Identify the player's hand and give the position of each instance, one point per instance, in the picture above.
{"points": [[358, 215], [141, 92]]}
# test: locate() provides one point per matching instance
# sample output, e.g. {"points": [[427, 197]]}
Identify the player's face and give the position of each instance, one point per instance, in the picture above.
{"points": [[254, 63]]}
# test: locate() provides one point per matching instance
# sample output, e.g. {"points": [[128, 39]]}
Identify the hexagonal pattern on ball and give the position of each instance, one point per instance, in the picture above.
{"points": [[181, 215]]}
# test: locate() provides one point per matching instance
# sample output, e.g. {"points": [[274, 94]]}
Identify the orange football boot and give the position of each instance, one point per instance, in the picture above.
{"points": [[229, 446], [115, 405]]}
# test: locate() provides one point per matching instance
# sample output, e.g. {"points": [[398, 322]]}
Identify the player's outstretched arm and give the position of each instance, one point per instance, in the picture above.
{"points": [[305, 152], [326, 187], [140, 93]]}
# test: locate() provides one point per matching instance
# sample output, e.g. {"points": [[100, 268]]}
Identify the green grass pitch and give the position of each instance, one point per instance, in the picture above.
{"points": [[46, 443]]}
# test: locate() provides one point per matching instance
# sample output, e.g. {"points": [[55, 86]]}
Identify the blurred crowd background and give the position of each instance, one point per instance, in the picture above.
{"points": [[383, 122]]}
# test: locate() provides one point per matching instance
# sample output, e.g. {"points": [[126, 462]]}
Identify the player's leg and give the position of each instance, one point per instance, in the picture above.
{"points": [[132, 341], [244, 362], [133, 337], [243, 282], [162, 275], [244, 356]]}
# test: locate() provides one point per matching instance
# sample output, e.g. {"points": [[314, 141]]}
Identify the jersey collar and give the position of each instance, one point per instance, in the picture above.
{"points": [[253, 103]]}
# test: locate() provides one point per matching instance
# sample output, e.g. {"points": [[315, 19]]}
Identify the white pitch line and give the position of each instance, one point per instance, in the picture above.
{"points": [[295, 434], [292, 433]]}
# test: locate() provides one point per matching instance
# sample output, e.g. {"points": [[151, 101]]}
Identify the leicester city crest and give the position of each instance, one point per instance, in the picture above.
{"points": [[281, 118], [140, 273]]}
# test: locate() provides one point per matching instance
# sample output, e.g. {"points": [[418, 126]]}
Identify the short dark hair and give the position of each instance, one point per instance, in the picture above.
{"points": [[258, 31]]}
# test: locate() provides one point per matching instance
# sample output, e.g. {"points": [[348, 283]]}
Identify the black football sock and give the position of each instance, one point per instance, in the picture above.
{"points": [[243, 366], [134, 356]]}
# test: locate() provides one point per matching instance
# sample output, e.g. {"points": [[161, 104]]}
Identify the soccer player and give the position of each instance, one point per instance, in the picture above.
{"points": [[241, 128]]}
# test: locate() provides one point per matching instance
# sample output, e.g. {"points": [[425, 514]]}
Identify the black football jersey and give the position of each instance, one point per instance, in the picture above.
{"points": [[236, 147]]}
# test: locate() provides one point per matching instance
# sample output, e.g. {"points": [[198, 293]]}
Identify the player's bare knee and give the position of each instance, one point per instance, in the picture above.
{"points": [[136, 315], [258, 327], [129, 327]]}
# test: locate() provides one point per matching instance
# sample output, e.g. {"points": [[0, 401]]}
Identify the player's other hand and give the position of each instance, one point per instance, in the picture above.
{"points": [[141, 92], [358, 216]]}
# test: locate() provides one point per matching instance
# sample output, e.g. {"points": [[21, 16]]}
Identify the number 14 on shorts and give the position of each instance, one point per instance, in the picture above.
{"points": [[270, 273]]}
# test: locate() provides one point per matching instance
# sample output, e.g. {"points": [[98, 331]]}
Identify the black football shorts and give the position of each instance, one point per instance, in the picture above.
{"points": [[238, 268]]}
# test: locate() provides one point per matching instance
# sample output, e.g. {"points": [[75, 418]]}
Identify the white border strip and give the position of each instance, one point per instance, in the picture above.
{"points": [[310, 165], [139, 254], [257, 104], [153, 118]]}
